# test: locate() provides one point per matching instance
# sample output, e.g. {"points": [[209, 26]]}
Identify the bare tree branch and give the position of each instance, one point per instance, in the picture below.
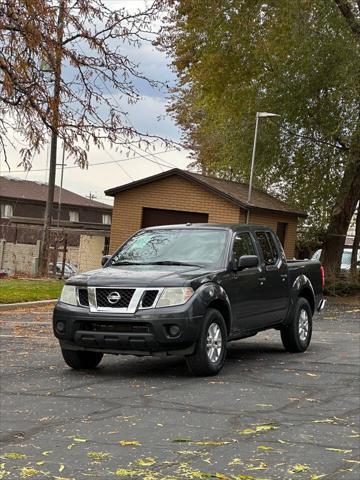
{"points": [[349, 16]]}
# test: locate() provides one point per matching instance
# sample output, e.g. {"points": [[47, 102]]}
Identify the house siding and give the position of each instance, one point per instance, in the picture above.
{"points": [[176, 193]]}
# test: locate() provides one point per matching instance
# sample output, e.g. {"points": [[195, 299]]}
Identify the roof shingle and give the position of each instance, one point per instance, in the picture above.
{"points": [[29, 190]]}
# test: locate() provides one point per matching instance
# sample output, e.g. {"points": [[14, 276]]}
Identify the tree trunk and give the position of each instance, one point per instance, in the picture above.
{"points": [[344, 208], [354, 270]]}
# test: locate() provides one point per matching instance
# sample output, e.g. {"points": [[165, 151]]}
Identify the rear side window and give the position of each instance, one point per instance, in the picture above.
{"points": [[268, 247], [243, 246]]}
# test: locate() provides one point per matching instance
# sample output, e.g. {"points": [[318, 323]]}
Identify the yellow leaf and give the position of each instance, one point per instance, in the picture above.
{"points": [[40, 463], [61, 468], [129, 443], [46, 453], [258, 428], [353, 461], [146, 462], [338, 450], [98, 456], [14, 456], [80, 440], [123, 472], [28, 472], [236, 461], [311, 374], [264, 447], [262, 466], [299, 468]]}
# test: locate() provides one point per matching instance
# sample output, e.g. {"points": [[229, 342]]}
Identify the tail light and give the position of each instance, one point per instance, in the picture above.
{"points": [[322, 273]]}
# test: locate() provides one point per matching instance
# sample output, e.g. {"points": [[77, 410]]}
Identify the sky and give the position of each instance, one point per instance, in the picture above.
{"points": [[149, 115]]}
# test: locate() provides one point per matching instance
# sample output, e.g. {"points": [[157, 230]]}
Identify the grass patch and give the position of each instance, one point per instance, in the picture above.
{"points": [[15, 290]]}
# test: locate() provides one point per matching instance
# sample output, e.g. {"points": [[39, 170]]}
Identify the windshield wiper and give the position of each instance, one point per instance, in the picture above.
{"points": [[125, 263], [171, 262]]}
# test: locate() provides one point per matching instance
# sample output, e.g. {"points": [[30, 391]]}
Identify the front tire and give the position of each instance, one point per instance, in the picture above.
{"points": [[296, 337], [79, 360], [210, 352]]}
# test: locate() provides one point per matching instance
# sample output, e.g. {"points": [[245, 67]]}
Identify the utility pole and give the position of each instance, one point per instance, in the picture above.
{"points": [[61, 185], [45, 242]]}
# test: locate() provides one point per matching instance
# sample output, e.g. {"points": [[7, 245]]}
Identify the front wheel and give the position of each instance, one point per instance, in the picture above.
{"points": [[210, 352], [296, 336], [78, 359]]}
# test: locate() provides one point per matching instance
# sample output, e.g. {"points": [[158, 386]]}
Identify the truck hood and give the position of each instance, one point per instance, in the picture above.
{"points": [[144, 276]]}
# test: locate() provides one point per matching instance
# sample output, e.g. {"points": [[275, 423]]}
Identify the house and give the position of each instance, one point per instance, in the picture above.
{"points": [[178, 196], [22, 209], [80, 234]]}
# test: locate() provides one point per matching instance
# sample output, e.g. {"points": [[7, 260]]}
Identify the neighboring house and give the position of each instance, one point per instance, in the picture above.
{"points": [[22, 209], [178, 196]]}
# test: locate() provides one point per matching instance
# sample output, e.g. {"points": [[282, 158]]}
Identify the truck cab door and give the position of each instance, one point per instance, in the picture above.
{"points": [[275, 287], [244, 287]]}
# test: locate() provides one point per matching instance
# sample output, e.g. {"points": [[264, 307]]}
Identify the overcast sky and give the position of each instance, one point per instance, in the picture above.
{"points": [[119, 169]]}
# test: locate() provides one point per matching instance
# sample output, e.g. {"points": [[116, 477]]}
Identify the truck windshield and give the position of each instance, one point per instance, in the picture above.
{"points": [[174, 247]]}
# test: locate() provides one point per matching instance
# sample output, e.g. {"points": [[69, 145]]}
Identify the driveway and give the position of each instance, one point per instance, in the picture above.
{"points": [[268, 415]]}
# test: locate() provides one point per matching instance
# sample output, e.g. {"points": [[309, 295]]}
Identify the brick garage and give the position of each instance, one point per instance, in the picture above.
{"points": [[178, 196]]}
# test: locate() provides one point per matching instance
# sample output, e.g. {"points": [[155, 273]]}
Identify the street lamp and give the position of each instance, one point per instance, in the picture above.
{"points": [[258, 115]]}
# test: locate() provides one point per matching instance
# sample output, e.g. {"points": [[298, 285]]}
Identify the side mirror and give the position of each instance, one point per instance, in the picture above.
{"points": [[104, 259], [247, 261]]}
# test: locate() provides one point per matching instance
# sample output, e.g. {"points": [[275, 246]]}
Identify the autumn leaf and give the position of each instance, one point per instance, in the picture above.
{"points": [[299, 468], [14, 456], [146, 462], [99, 456], [28, 472], [129, 443]]}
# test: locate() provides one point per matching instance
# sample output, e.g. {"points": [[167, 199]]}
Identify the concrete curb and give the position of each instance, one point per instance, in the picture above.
{"points": [[38, 303]]}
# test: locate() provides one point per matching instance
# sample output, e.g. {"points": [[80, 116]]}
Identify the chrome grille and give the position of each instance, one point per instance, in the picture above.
{"points": [[106, 297]]}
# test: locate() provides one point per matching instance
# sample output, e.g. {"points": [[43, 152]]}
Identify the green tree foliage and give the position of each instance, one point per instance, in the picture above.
{"points": [[299, 59]]}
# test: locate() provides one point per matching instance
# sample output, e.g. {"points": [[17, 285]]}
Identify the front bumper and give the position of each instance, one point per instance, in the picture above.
{"points": [[142, 333]]}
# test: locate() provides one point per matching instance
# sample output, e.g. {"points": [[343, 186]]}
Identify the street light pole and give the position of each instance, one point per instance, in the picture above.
{"points": [[258, 115]]}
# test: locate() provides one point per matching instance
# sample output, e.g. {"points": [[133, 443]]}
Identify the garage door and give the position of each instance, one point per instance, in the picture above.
{"points": [[156, 216]]}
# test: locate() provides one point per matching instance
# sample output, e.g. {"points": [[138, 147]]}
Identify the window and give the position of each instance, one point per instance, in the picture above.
{"points": [[73, 216], [242, 246], [106, 219], [6, 210], [190, 246], [268, 247], [281, 232]]}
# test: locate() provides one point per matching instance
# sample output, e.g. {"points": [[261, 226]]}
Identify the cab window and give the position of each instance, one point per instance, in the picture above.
{"points": [[242, 246], [268, 247]]}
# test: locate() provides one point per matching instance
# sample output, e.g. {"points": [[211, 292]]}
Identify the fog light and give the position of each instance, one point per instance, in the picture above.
{"points": [[174, 330], [60, 327]]}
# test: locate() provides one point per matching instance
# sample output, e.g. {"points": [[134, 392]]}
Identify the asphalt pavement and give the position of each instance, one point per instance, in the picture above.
{"points": [[267, 415]]}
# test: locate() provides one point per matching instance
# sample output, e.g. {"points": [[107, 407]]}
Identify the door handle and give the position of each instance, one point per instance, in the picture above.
{"points": [[262, 280]]}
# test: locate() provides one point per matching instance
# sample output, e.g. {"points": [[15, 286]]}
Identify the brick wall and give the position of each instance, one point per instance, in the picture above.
{"points": [[176, 193]]}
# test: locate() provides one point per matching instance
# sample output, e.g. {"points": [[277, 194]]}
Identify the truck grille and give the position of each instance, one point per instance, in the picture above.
{"points": [[114, 297], [83, 297], [112, 327], [149, 298]]}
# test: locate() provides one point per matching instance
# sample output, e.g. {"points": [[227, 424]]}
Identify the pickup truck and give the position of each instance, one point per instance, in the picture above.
{"points": [[188, 290]]}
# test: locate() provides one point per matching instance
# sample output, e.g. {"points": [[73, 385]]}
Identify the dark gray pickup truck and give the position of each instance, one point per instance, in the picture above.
{"points": [[188, 290]]}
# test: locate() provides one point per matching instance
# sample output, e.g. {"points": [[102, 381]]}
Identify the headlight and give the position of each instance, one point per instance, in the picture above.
{"points": [[174, 296], [68, 295]]}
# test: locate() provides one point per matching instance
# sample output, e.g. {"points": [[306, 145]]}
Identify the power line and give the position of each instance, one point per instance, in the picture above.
{"points": [[98, 163]]}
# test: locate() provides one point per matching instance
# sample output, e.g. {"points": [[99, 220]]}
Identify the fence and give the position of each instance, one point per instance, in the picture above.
{"points": [[77, 250]]}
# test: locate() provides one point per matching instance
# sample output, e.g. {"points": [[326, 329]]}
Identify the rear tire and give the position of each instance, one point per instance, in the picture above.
{"points": [[78, 359], [210, 351], [296, 337]]}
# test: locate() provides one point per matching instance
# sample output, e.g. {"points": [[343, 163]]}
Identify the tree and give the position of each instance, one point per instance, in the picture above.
{"points": [[65, 69], [299, 59]]}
